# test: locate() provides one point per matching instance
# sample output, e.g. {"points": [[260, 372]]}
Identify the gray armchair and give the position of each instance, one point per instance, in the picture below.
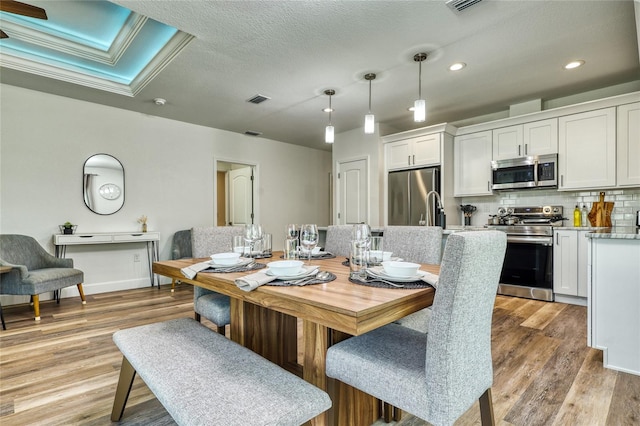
{"points": [[213, 306], [438, 375], [338, 240], [34, 270]]}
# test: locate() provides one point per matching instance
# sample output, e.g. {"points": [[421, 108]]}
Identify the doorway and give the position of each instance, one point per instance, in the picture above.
{"points": [[236, 185], [353, 192]]}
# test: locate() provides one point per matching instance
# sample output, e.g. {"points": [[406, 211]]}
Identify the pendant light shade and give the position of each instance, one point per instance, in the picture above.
{"points": [[420, 105], [369, 119], [328, 131]]}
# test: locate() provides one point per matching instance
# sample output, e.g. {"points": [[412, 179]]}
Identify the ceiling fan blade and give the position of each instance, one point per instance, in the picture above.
{"points": [[12, 6], [3, 34]]}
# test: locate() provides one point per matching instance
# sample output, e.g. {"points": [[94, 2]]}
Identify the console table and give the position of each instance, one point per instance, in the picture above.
{"points": [[61, 241]]}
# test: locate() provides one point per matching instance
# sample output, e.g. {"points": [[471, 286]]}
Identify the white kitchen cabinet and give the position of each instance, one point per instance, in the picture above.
{"points": [[413, 152], [570, 262], [628, 145], [535, 138], [587, 150], [472, 164]]}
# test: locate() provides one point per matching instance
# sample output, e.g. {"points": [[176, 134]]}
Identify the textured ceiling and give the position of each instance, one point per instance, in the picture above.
{"points": [[291, 51]]}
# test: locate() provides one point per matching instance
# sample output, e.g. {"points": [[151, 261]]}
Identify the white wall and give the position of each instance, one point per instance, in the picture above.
{"points": [[169, 165]]}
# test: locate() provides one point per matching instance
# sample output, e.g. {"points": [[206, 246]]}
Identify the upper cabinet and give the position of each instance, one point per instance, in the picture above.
{"points": [[587, 150], [418, 151], [628, 145], [535, 138], [472, 164]]}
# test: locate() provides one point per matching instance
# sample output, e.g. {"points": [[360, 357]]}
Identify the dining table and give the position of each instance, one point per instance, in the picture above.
{"points": [[265, 320]]}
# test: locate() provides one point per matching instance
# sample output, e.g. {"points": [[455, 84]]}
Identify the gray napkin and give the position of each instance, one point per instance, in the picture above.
{"points": [[430, 278], [253, 281], [191, 271]]}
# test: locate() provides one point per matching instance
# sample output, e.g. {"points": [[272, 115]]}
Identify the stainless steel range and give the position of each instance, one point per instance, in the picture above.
{"points": [[528, 264]]}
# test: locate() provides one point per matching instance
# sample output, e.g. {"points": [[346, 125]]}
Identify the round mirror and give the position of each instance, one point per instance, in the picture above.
{"points": [[103, 184]]}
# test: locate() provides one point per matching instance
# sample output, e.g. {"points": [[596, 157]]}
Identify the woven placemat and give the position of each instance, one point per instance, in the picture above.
{"points": [[250, 267], [259, 256], [405, 286], [282, 283], [320, 257]]}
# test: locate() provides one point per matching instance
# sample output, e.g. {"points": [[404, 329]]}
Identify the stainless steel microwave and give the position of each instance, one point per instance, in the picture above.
{"points": [[537, 171]]}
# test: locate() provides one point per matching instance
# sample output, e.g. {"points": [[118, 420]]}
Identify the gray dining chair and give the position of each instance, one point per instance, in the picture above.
{"points": [[35, 271], [436, 376], [420, 244], [180, 249], [338, 239], [206, 241]]}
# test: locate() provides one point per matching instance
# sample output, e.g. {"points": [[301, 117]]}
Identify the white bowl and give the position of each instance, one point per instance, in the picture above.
{"points": [[400, 269], [285, 267], [315, 250], [225, 259], [377, 254]]}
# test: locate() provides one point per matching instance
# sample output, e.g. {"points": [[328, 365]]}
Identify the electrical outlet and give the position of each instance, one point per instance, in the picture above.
{"points": [[136, 257]]}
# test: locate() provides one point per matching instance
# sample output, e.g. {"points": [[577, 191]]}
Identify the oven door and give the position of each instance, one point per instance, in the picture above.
{"points": [[528, 267]]}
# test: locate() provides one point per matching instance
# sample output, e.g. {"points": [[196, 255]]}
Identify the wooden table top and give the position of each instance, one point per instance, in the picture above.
{"points": [[339, 304]]}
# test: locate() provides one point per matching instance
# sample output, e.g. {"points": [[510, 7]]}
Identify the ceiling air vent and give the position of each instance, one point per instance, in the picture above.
{"points": [[460, 5], [258, 99], [252, 132]]}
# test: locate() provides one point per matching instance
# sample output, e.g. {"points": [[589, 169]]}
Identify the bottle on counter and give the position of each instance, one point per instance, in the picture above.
{"points": [[577, 216], [584, 217]]}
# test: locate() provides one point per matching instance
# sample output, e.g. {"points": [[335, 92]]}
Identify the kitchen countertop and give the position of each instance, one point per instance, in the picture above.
{"points": [[621, 232]]}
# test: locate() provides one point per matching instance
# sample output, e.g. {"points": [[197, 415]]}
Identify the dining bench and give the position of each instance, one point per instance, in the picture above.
{"points": [[216, 382]]}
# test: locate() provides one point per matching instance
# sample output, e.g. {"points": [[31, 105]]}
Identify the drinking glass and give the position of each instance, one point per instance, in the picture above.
{"points": [[291, 248], [357, 261], [252, 233], [309, 238], [239, 245], [376, 251]]}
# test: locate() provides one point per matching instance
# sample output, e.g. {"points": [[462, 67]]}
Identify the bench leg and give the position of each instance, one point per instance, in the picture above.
{"points": [[486, 409], [84, 301], [127, 374]]}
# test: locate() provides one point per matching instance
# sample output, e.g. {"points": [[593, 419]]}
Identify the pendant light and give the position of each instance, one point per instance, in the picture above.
{"points": [[328, 131], [369, 119], [419, 106]]}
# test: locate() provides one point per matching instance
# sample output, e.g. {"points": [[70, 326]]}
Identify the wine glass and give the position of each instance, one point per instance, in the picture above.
{"points": [[252, 234], [292, 232], [361, 234], [309, 238]]}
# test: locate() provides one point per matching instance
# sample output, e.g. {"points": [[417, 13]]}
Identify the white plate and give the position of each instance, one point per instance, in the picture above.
{"points": [[306, 270], [378, 272], [241, 261]]}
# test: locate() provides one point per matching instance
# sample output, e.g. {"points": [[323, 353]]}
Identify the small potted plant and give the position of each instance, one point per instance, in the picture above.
{"points": [[68, 228], [143, 220]]}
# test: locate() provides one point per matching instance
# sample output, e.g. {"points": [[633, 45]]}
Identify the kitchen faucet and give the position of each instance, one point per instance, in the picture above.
{"points": [[440, 206]]}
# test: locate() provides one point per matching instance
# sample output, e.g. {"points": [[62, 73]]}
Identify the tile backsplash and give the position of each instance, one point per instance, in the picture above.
{"points": [[627, 201]]}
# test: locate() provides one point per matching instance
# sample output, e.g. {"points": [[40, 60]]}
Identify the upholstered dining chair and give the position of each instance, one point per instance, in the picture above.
{"points": [[421, 244], [206, 241], [180, 249], [438, 375], [35, 271], [338, 239]]}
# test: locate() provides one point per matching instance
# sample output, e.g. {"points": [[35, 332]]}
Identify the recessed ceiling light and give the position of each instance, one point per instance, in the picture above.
{"points": [[574, 64], [457, 66], [159, 101], [328, 110]]}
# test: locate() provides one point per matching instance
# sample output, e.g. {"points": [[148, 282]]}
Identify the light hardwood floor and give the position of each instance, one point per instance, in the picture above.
{"points": [[63, 371]]}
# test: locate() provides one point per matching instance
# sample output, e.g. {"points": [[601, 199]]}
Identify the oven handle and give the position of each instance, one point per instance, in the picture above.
{"points": [[530, 239]]}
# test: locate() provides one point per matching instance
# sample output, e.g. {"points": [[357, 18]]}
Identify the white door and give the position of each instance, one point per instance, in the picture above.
{"points": [[241, 196], [353, 192]]}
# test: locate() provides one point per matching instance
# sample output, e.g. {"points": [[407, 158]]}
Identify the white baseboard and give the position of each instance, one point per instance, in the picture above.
{"points": [[571, 300]]}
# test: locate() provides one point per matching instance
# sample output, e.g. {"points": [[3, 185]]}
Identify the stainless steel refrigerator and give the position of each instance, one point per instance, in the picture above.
{"points": [[407, 194]]}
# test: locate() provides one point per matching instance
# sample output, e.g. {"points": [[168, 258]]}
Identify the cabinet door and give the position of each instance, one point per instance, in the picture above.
{"points": [[628, 144], [583, 262], [587, 150], [565, 263], [426, 150], [472, 164], [541, 137], [507, 143], [398, 154]]}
